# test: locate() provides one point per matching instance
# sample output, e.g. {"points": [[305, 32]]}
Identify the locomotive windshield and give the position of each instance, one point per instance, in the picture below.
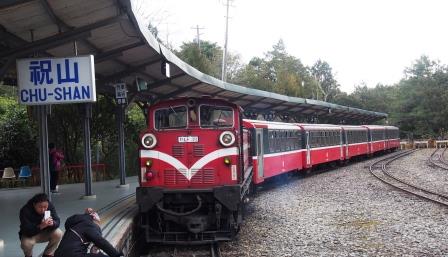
{"points": [[171, 117], [216, 116]]}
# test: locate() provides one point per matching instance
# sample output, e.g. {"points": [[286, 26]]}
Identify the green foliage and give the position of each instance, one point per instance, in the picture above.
{"points": [[207, 59], [422, 99], [326, 83], [8, 91], [417, 104], [18, 138], [277, 72], [66, 130]]}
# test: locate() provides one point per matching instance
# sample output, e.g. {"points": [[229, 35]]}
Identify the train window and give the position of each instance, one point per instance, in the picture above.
{"points": [[215, 116], [271, 141], [170, 118], [277, 141]]}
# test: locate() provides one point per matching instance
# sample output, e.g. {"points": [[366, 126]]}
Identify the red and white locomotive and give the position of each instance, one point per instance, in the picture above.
{"points": [[199, 158]]}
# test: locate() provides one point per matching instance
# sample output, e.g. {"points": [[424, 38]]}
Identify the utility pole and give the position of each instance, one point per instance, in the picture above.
{"points": [[224, 55], [197, 36]]}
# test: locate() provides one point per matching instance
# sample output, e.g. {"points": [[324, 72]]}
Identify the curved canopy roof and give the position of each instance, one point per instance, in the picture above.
{"points": [[124, 49]]}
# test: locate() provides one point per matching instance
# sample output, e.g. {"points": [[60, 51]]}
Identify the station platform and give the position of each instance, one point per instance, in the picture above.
{"points": [[67, 202]]}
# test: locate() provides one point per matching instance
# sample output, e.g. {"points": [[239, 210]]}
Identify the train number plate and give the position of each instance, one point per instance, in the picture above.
{"points": [[189, 139]]}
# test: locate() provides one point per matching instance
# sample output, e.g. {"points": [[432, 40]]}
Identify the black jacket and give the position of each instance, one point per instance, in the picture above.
{"points": [[75, 245], [30, 220]]}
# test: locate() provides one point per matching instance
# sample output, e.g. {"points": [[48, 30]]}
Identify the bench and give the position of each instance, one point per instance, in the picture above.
{"points": [[72, 173], [403, 145], [441, 143], [424, 143]]}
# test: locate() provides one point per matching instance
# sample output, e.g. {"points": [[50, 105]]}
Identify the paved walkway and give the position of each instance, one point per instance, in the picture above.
{"points": [[67, 203]]}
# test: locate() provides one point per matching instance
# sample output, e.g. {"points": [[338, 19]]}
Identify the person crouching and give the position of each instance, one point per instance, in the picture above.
{"points": [[82, 230], [39, 223]]}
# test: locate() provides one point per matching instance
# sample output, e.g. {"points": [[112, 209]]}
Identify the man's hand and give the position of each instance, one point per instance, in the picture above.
{"points": [[46, 223]]}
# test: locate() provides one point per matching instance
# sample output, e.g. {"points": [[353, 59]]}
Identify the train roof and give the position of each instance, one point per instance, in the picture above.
{"points": [[124, 49], [270, 124], [391, 127], [308, 126], [196, 100], [353, 127], [375, 127]]}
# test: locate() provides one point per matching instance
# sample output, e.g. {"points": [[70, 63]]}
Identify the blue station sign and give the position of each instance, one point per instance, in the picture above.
{"points": [[56, 80]]}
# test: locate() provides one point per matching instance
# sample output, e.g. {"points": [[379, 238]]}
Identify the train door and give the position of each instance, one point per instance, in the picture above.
{"points": [[308, 149], [387, 142], [345, 141], [260, 152], [341, 146]]}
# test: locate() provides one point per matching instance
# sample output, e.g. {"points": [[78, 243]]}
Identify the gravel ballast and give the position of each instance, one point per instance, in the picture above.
{"points": [[346, 212]]}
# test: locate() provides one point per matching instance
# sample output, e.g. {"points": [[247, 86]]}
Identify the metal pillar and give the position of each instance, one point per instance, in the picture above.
{"points": [[87, 153], [121, 154], [43, 150]]}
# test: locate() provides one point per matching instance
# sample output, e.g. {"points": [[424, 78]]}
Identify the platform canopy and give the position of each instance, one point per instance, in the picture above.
{"points": [[124, 50]]}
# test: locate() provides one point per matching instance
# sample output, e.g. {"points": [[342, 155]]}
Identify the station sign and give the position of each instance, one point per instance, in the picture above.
{"points": [[56, 80]]}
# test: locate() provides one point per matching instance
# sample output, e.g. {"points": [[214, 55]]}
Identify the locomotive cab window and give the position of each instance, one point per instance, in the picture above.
{"points": [[215, 116], [171, 118]]}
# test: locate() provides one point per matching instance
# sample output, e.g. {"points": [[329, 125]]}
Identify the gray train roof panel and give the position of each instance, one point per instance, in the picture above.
{"points": [[124, 49]]}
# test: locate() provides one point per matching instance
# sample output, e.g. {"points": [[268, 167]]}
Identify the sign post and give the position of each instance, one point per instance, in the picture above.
{"points": [[46, 81], [121, 97]]}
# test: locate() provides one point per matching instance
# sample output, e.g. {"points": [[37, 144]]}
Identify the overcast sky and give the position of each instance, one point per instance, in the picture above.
{"points": [[362, 40]]}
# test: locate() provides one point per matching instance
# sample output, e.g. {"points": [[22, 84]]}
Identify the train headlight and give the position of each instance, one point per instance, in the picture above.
{"points": [[148, 163], [227, 161], [149, 141], [226, 138]]}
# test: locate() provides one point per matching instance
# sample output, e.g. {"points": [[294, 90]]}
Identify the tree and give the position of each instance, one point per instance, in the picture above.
{"points": [[208, 59], [153, 29], [277, 72], [422, 98], [18, 138], [326, 83], [65, 126]]}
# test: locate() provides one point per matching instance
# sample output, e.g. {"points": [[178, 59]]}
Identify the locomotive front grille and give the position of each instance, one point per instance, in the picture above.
{"points": [[198, 150], [174, 177], [178, 151], [204, 177]]}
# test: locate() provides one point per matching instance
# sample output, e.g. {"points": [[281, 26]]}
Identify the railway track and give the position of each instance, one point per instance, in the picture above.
{"points": [[113, 214], [210, 250], [437, 158], [113, 204], [379, 170]]}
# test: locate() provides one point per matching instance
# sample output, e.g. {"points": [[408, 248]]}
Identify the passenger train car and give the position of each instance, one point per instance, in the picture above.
{"points": [[199, 158]]}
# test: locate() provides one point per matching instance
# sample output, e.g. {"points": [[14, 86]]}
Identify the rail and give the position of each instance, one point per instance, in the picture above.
{"points": [[437, 159], [402, 185], [212, 250], [118, 223]]}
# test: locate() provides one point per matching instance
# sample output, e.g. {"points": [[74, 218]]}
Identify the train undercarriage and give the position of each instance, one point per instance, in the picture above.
{"points": [[190, 216]]}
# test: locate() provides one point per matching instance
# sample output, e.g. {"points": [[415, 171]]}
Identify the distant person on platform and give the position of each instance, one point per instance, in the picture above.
{"points": [[55, 162], [83, 232], [39, 223]]}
